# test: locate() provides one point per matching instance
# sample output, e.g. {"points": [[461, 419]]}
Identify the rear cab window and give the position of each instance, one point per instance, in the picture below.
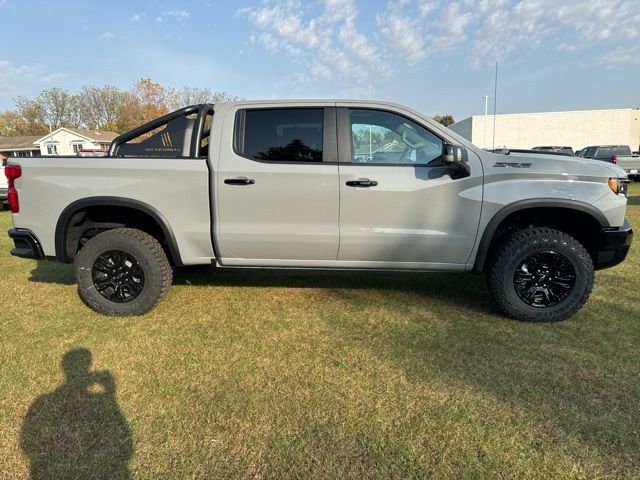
{"points": [[622, 150]]}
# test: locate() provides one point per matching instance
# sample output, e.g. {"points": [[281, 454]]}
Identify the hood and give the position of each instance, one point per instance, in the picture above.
{"points": [[563, 164]]}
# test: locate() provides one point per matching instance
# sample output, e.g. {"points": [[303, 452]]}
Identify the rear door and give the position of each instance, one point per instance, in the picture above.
{"points": [[277, 187], [399, 205]]}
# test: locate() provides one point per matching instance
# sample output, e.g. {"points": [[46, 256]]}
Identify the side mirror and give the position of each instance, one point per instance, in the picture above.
{"points": [[453, 154]]}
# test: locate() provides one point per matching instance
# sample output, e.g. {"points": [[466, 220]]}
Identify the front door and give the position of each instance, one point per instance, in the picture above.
{"points": [[277, 188], [399, 205]]}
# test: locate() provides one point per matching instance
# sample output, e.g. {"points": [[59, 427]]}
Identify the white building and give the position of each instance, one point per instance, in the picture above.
{"points": [[69, 141], [575, 129]]}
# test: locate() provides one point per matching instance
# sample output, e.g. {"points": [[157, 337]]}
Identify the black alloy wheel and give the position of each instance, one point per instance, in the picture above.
{"points": [[118, 276], [544, 279]]}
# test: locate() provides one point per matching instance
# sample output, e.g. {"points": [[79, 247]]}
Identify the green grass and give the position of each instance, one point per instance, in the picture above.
{"points": [[251, 374]]}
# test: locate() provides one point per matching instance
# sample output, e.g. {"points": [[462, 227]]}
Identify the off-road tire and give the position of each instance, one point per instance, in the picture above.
{"points": [[519, 246], [150, 256]]}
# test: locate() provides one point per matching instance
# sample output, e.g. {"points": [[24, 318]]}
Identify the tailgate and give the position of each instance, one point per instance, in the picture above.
{"points": [[629, 164]]}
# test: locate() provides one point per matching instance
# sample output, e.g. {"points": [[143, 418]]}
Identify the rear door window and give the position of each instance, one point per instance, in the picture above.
{"points": [[605, 152], [281, 135]]}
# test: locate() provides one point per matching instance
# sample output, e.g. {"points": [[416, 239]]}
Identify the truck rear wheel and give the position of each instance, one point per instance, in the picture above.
{"points": [[123, 271], [540, 275]]}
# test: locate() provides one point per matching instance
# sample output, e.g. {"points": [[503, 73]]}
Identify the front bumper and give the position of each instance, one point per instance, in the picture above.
{"points": [[613, 246], [26, 244]]}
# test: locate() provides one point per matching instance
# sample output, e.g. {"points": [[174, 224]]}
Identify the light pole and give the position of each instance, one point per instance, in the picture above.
{"points": [[484, 121]]}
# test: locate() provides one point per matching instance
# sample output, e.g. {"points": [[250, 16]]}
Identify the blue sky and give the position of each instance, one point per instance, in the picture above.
{"points": [[434, 56]]}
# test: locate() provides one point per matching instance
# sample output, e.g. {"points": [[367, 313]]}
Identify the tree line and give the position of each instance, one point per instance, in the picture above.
{"points": [[104, 108]]}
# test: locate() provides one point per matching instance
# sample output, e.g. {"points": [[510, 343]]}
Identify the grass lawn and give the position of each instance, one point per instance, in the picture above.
{"points": [[252, 374]]}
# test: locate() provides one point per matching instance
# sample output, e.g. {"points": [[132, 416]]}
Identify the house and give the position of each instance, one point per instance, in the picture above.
{"points": [[69, 141], [576, 129], [18, 147]]}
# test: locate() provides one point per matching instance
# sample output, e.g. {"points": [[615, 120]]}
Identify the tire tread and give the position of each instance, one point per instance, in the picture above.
{"points": [[510, 247]]}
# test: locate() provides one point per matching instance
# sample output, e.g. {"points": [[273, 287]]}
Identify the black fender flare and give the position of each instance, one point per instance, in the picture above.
{"points": [[64, 222], [504, 212]]}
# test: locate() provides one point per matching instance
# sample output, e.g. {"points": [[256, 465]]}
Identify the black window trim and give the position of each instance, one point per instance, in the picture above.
{"points": [[345, 140], [329, 134]]}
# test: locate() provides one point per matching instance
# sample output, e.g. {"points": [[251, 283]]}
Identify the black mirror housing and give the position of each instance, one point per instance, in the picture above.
{"points": [[453, 154]]}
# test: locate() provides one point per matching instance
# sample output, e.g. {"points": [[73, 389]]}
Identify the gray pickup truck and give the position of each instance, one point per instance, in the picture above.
{"points": [[319, 185], [619, 154]]}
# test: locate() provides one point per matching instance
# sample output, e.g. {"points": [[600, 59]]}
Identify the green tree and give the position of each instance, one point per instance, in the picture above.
{"points": [[445, 120]]}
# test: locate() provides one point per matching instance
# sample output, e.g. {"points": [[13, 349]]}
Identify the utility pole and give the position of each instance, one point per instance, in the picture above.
{"points": [[50, 139], [495, 102], [484, 122]]}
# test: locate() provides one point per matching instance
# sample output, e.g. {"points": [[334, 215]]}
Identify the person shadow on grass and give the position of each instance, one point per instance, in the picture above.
{"points": [[78, 430]]}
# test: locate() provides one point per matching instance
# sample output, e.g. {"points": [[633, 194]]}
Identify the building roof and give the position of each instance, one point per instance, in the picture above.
{"points": [[91, 135], [19, 143], [95, 135]]}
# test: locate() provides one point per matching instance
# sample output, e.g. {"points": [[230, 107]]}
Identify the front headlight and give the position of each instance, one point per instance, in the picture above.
{"points": [[619, 186]]}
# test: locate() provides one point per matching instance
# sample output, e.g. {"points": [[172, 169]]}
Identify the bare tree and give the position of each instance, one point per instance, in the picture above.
{"points": [[61, 109], [194, 96], [101, 107]]}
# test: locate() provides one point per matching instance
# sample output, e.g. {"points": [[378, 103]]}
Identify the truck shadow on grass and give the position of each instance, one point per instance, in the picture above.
{"points": [[455, 288]]}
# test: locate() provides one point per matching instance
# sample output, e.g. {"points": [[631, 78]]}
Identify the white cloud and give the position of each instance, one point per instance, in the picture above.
{"points": [[23, 79], [327, 45], [327, 38], [107, 36], [402, 35], [179, 15], [136, 17]]}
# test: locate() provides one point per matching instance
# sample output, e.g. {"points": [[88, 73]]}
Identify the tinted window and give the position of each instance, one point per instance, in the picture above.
{"points": [[590, 152], [605, 152], [622, 150], [283, 135], [386, 138]]}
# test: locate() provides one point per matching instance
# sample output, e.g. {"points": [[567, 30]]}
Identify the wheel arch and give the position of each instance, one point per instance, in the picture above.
{"points": [[530, 206], [72, 210]]}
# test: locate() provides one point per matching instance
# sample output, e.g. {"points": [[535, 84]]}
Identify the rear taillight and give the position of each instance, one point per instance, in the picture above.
{"points": [[614, 159], [12, 172]]}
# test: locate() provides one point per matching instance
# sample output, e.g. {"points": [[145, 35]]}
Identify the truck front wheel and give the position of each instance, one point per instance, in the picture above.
{"points": [[123, 271], [540, 275]]}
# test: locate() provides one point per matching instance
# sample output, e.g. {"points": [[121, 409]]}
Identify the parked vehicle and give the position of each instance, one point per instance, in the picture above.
{"points": [[91, 152], [618, 154], [519, 151], [566, 150], [3, 182], [278, 184], [581, 152]]}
